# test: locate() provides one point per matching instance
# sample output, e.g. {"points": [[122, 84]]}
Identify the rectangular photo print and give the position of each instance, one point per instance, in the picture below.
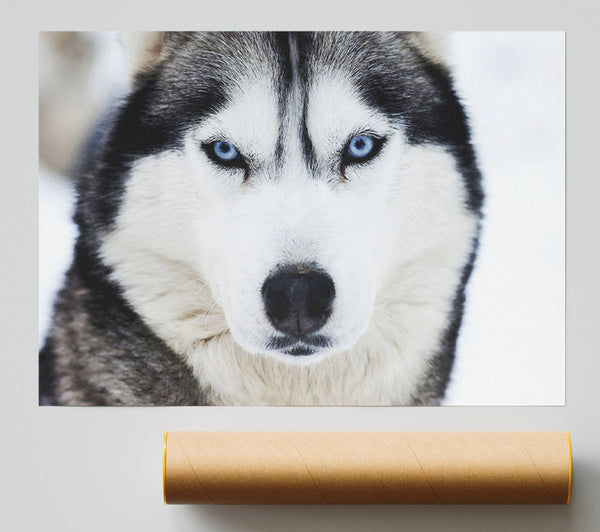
{"points": [[282, 218]]}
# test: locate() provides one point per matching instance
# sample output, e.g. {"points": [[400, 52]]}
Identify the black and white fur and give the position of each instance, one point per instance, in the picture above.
{"points": [[162, 304]]}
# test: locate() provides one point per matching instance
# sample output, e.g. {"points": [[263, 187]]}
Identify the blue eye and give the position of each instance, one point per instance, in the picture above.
{"points": [[359, 150], [360, 147], [225, 151], [224, 154]]}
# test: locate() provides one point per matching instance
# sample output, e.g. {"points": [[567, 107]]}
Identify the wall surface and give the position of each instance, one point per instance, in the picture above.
{"points": [[96, 469]]}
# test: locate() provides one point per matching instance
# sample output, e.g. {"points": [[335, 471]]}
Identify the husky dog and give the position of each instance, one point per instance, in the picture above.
{"points": [[273, 218]]}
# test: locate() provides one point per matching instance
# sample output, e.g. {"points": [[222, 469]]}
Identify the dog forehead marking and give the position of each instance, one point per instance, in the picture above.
{"points": [[314, 119], [335, 112], [250, 121]]}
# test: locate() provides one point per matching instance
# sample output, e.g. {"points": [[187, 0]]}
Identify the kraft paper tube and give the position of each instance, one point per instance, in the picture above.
{"points": [[367, 467]]}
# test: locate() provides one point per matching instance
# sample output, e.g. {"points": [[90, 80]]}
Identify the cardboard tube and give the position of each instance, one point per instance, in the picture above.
{"points": [[367, 467]]}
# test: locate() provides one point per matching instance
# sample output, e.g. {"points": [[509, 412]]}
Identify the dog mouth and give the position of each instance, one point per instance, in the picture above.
{"points": [[298, 347], [300, 351]]}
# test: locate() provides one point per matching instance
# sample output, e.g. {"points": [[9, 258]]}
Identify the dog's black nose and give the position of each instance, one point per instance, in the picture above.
{"points": [[298, 301]]}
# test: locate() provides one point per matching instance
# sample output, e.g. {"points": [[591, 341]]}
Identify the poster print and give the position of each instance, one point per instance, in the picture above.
{"points": [[274, 218]]}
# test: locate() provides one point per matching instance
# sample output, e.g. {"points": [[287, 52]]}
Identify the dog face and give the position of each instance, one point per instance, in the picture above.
{"points": [[276, 185], [293, 261]]}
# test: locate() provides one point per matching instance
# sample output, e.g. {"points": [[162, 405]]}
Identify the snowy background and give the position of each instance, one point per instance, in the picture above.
{"points": [[511, 348]]}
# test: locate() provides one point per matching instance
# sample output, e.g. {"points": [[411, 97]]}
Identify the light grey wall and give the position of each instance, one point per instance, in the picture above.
{"points": [[95, 469]]}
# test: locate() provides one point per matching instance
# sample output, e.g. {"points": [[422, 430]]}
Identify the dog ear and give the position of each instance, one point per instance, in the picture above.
{"points": [[434, 45], [145, 49]]}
